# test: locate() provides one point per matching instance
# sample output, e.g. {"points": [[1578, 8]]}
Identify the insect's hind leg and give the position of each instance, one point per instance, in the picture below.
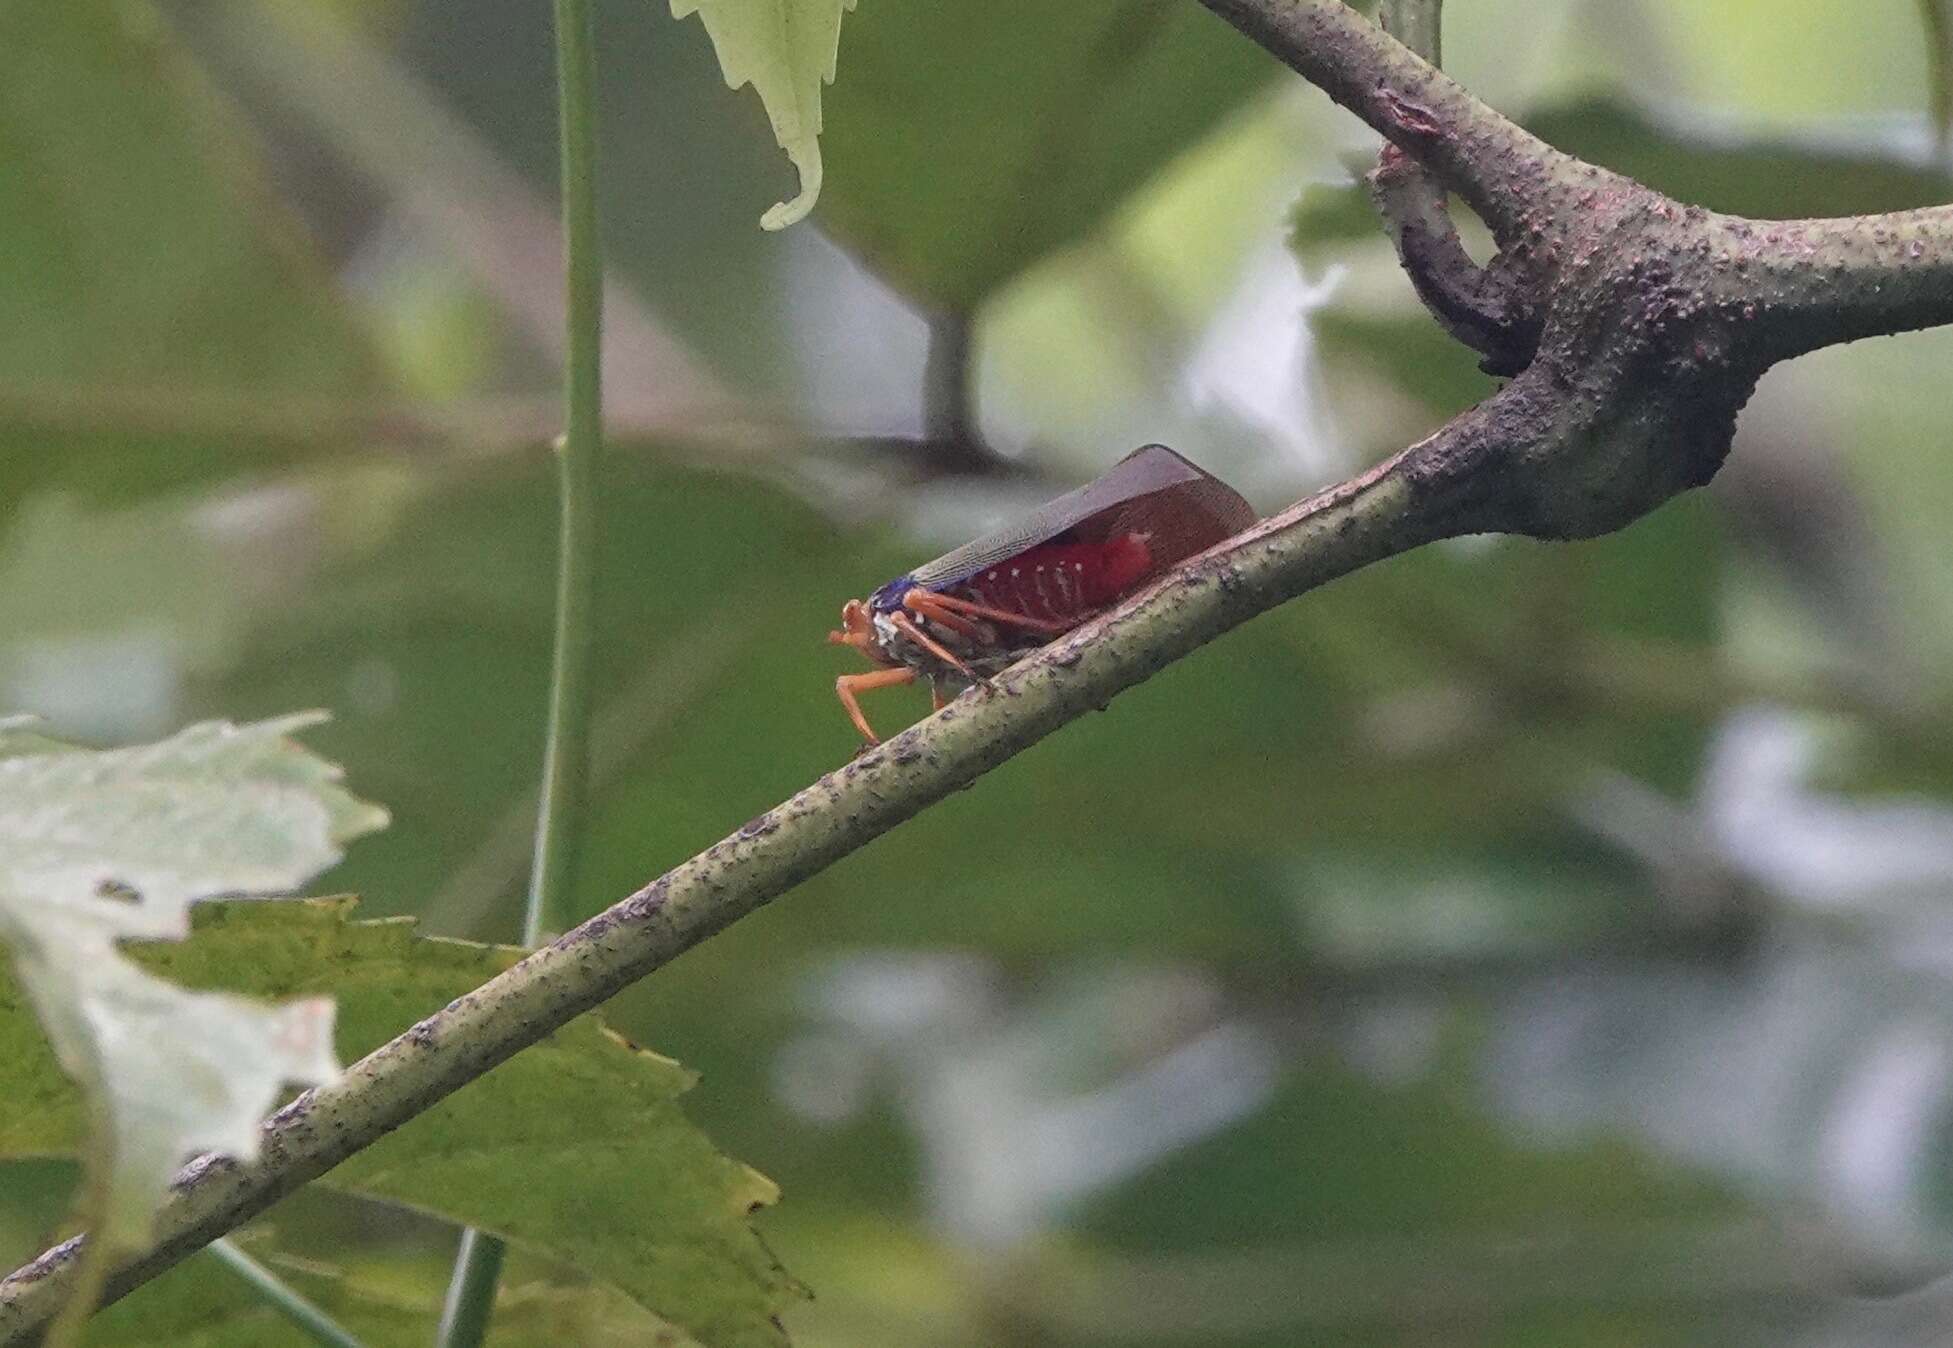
{"points": [[951, 611], [930, 605]]}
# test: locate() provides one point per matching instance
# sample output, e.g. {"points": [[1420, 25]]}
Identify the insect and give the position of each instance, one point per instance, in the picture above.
{"points": [[971, 613]]}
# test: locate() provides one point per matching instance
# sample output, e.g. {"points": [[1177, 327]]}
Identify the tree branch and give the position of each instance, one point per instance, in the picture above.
{"points": [[1816, 283], [1510, 177]]}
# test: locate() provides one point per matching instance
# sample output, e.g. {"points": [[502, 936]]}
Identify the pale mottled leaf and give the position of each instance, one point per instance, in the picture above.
{"points": [[100, 846], [577, 1150], [786, 49]]}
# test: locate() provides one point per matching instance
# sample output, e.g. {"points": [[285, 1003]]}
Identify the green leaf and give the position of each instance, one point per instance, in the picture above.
{"points": [[1331, 213], [98, 846], [786, 49], [576, 1148], [970, 140], [153, 297], [1767, 176], [378, 1272], [151, 257]]}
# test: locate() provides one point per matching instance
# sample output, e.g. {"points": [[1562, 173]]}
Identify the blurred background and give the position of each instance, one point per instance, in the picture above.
{"points": [[1510, 945]]}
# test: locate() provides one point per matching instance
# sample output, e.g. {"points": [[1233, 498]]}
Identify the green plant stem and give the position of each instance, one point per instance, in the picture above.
{"points": [[1418, 24], [566, 754], [282, 1297], [559, 819], [1937, 17], [470, 1302]]}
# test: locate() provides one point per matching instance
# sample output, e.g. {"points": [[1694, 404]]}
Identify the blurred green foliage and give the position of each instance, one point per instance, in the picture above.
{"points": [[967, 142], [1398, 843]]}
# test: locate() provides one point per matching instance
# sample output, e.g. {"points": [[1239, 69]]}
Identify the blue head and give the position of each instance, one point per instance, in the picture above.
{"points": [[889, 598]]}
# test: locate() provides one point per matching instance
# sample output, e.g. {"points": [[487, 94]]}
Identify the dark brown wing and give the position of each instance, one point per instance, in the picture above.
{"points": [[1182, 508]]}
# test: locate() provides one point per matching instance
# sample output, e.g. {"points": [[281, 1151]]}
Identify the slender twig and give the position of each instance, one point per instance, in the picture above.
{"points": [[566, 754], [952, 433], [1805, 283], [948, 404], [1411, 198], [1476, 305], [280, 1296]]}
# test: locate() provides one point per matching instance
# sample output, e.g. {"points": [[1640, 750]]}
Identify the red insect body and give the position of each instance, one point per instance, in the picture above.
{"points": [[968, 614], [1061, 581]]}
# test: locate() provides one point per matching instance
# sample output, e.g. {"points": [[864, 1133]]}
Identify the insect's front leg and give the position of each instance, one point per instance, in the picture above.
{"points": [[848, 685], [909, 628]]}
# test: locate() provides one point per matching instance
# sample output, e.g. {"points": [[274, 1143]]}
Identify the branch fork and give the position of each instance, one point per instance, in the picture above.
{"points": [[1633, 327]]}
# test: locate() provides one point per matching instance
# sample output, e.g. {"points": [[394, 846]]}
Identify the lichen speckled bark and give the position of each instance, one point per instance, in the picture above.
{"points": [[1820, 282], [1654, 321]]}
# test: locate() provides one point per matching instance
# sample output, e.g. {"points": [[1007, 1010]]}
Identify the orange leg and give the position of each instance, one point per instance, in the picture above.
{"points": [[936, 699], [920, 603], [939, 607], [907, 626], [848, 685]]}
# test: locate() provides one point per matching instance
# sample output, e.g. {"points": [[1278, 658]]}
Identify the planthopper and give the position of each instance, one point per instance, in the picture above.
{"points": [[973, 612]]}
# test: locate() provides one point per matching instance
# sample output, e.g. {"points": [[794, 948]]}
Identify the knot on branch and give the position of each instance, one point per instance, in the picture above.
{"points": [[1634, 327], [1642, 363]]}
